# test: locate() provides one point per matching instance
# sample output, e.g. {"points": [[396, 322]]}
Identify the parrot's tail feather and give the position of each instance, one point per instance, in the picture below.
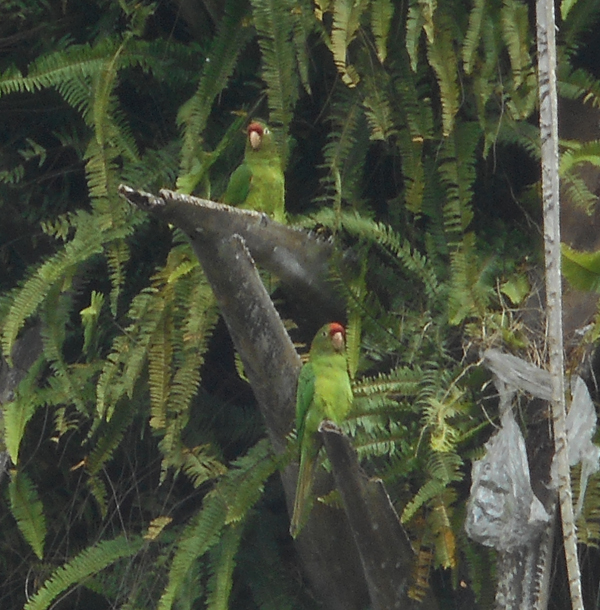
{"points": [[303, 490]]}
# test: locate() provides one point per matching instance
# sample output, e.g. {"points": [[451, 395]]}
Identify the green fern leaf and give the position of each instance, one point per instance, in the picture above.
{"points": [[346, 22], [246, 480], [381, 17], [222, 566], [99, 493], [117, 255], [160, 355], [473, 35], [274, 24], [18, 412], [27, 510], [443, 60], [199, 536], [581, 269], [232, 36], [90, 561], [515, 30]]}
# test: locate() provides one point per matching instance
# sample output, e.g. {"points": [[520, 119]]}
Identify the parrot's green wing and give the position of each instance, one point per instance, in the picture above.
{"points": [[304, 396], [238, 186]]}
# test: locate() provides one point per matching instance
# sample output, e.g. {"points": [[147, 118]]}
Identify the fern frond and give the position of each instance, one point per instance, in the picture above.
{"points": [[443, 468], [89, 320], [345, 150], [378, 106], [473, 35], [200, 535], [117, 256], [226, 504], [346, 22], [403, 380], [273, 20], [441, 529], [222, 566], [515, 30], [201, 465], [381, 17], [28, 510], [442, 58], [17, 413], [87, 563], [99, 493], [232, 36], [160, 355], [420, 17], [386, 238], [110, 435], [578, 84], [245, 480], [57, 271], [304, 25]]}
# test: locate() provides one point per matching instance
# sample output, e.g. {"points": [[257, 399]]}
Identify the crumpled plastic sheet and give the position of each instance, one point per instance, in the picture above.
{"points": [[581, 427], [503, 512]]}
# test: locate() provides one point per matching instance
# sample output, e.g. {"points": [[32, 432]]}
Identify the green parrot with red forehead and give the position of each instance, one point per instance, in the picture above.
{"points": [[324, 392], [258, 183]]}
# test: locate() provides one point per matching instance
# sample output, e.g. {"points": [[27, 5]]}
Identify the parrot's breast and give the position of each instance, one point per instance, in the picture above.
{"points": [[333, 393]]}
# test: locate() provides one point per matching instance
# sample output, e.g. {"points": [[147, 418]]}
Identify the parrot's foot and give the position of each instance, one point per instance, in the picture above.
{"points": [[329, 426]]}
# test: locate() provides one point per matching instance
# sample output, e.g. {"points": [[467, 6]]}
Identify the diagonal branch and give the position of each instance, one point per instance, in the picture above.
{"points": [[226, 242]]}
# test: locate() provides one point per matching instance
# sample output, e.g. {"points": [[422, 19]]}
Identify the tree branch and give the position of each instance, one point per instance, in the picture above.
{"points": [[227, 241], [384, 548]]}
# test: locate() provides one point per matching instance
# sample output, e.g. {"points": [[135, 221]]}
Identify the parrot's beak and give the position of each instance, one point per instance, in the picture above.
{"points": [[337, 341], [255, 140]]}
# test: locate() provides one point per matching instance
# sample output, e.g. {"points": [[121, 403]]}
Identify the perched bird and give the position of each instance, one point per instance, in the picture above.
{"points": [[258, 183], [324, 392]]}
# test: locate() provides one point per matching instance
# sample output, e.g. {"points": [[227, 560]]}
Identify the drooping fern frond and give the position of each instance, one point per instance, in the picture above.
{"points": [[17, 413], [516, 36], [345, 150], [457, 171], [378, 106], [109, 435], [473, 35], [274, 23], [442, 58], [420, 18], [87, 563], [577, 153], [346, 22], [225, 505], [58, 270], [304, 25], [223, 564], [443, 470], [518, 40], [232, 36], [385, 237], [28, 510], [381, 17]]}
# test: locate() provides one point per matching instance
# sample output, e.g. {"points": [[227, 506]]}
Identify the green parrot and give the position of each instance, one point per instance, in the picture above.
{"points": [[324, 392], [258, 183]]}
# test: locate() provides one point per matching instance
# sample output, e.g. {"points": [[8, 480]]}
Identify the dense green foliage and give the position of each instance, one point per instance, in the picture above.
{"points": [[140, 473]]}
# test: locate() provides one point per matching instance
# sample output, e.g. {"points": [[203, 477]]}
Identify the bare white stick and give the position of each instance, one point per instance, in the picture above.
{"points": [[546, 47]]}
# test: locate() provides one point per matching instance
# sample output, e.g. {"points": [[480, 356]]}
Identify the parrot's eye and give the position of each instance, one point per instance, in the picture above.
{"points": [[267, 131]]}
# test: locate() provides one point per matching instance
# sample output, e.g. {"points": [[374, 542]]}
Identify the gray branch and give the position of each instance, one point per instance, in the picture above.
{"points": [[385, 551], [227, 241], [298, 258]]}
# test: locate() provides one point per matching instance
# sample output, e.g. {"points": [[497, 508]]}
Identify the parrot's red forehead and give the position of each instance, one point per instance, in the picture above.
{"points": [[336, 327], [256, 127]]}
